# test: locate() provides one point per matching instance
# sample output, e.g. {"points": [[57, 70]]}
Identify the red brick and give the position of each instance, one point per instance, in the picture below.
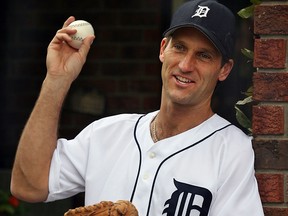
{"points": [[120, 35], [124, 4], [151, 103], [137, 52], [271, 187], [270, 53], [104, 19], [120, 104], [103, 84], [152, 35], [140, 85], [286, 192], [268, 120], [73, 122], [139, 18], [70, 118], [271, 154], [270, 86], [271, 19], [153, 68], [108, 51], [280, 211]]}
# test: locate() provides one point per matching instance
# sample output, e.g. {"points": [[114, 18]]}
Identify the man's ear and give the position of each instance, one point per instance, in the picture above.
{"points": [[163, 45], [225, 70]]}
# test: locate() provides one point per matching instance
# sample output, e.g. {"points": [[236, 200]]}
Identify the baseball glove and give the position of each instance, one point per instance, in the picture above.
{"points": [[105, 208]]}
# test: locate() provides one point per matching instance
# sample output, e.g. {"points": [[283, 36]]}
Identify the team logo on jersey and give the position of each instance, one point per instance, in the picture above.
{"points": [[202, 11], [188, 200]]}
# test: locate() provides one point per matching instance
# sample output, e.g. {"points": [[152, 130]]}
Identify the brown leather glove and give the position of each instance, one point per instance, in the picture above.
{"points": [[105, 208]]}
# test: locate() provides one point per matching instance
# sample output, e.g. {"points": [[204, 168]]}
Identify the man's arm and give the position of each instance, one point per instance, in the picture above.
{"points": [[30, 172]]}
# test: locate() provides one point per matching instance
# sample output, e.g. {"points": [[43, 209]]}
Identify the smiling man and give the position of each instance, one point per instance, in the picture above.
{"points": [[191, 69], [183, 159]]}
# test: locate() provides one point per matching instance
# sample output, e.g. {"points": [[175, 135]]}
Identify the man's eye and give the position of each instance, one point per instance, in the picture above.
{"points": [[205, 56], [179, 47]]}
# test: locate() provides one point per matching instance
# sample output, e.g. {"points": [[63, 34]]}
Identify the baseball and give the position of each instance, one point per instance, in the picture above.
{"points": [[84, 29]]}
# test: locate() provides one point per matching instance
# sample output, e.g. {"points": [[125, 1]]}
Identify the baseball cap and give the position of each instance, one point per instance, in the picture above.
{"points": [[213, 19]]}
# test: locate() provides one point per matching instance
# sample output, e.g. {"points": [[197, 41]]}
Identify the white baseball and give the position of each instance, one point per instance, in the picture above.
{"points": [[84, 29]]}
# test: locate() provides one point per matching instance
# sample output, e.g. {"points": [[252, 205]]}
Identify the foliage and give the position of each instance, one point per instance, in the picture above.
{"points": [[248, 11], [241, 117], [10, 205]]}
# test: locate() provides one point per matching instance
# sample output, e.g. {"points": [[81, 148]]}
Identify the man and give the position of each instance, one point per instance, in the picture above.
{"points": [[181, 160]]}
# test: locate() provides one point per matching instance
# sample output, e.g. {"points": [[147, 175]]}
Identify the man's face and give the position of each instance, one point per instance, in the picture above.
{"points": [[191, 68]]}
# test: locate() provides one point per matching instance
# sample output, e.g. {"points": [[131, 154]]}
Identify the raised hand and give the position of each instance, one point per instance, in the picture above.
{"points": [[64, 63]]}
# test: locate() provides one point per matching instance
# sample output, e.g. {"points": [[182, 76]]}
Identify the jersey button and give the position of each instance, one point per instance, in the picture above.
{"points": [[152, 155], [146, 176]]}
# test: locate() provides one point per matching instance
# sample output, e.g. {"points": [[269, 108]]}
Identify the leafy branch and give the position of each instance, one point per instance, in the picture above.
{"points": [[241, 117], [248, 12]]}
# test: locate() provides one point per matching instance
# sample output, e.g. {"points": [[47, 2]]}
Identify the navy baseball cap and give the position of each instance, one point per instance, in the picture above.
{"points": [[213, 19]]}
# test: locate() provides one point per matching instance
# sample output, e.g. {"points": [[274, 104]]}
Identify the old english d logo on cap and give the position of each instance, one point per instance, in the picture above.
{"points": [[210, 17], [202, 11]]}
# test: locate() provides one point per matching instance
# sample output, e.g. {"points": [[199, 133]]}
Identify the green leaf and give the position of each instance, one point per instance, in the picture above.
{"points": [[246, 12], [245, 101], [243, 120], [7, 208], [249, 91], [248, 53]]}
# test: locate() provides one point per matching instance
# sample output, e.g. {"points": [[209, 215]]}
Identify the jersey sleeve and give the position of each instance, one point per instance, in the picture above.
{"points": [[237, 193], [75, 161], [68, 166]]}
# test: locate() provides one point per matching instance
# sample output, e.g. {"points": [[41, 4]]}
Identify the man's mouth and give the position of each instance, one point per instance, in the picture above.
{"points": [[183, 79]]}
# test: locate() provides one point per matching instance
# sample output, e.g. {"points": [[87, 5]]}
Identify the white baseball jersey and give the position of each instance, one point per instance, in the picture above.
{"points": [[205, 171]]}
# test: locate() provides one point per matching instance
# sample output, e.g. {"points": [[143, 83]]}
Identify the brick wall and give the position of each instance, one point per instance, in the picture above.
{"points": [[270, 115]]}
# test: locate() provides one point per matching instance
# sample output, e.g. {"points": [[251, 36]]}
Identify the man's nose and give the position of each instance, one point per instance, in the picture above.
{"points": [[187, 63]]}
